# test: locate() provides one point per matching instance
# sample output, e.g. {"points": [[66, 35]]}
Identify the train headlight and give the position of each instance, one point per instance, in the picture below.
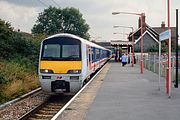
{"points": [[46, 71], [74, 72]]}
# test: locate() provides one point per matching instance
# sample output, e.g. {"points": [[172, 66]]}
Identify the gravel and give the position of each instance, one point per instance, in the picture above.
{"points": [[16, 110]]}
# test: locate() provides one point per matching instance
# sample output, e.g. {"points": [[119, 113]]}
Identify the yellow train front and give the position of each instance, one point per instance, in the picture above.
{"points": [[66, 62]]}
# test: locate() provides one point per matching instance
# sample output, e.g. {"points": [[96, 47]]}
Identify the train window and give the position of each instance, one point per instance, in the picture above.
{"points": [[103, 53], [97, 54], [70, 51], [100, 54], [92, 52], [51, 50]]}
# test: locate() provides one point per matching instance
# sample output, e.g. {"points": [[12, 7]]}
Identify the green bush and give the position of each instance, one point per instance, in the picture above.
{"points": [[18, 62], [3, 98], [16, 80], [15, 44], [2, 80], [12, 71]]}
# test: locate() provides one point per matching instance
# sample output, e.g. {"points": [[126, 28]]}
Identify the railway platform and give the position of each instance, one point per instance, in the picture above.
{"points": [[123, 93], [126, 94]]}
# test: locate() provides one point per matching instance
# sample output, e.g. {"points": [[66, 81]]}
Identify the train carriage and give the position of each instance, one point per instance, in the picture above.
{"points": [[66, 61]]}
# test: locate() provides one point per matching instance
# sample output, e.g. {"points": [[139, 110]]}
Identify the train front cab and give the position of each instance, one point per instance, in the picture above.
{"points": [[60, 65]]}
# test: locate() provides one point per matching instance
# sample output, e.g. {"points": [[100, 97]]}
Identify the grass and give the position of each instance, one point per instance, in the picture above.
{"points": [[15, 80]]}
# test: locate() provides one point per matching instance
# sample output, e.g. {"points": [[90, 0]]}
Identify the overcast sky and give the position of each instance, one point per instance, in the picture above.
{"points": [[22, 14]]}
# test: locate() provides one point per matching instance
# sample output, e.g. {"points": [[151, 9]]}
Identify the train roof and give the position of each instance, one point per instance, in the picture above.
{"points": [[76, 37]]}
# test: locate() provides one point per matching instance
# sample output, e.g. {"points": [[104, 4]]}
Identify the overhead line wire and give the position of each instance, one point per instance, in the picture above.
{"points": [[55, 3], [43, 3]]}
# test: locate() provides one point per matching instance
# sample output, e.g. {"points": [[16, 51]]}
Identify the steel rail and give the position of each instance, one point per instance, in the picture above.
{"points": [[19, 98], [34, 110]]}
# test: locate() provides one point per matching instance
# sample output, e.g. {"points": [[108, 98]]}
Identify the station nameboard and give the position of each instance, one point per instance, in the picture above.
{"points": [[165, 35]]}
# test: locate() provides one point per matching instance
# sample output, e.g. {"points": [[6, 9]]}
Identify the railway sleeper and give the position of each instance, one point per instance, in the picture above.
{"points": [[42, 116], [37, 119], [48, 112], [53, 106], [47, 109]]}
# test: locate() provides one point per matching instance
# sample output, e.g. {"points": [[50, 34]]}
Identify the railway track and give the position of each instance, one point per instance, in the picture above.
{"points": [[54, 105], [48, 108], [36, 91]]}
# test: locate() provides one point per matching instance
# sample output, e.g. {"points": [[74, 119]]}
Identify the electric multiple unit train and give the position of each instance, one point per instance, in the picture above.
{"points": [[66, 62]]}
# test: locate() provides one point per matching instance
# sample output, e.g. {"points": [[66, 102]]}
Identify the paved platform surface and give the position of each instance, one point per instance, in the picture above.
{"points": [[126, 94]]}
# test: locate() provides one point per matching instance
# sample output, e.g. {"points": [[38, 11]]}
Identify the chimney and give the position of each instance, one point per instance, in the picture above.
{"points": [[163, 24]]}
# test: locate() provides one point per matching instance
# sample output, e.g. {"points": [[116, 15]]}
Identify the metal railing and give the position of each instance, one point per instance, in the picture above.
{"points": [[151, 62]]}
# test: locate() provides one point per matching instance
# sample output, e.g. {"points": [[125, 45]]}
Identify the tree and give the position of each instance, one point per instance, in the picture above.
{"points": [[55, 20], [5, 38]]}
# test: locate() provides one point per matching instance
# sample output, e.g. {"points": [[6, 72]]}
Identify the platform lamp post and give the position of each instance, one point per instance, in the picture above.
{"points": [[141, 15], [132, 41]]}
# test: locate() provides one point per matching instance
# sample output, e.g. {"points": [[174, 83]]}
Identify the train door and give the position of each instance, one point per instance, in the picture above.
{"points": [[89, 62], [89, 58]]}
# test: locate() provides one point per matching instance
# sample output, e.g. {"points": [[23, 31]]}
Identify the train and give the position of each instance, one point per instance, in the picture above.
{"points": [[67, 61]]}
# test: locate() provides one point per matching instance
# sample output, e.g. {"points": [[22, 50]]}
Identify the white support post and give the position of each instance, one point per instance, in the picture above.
{"points": [[145, 62], [159, 65], [173, 61], [154, 63], [130, 55], [149, 63]]}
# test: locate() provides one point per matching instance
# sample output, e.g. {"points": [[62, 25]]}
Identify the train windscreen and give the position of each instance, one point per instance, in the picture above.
{"points": [[61, 48]]}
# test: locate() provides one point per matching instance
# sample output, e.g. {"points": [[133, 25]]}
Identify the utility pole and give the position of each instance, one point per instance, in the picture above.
{"points": [[176, 84]]}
